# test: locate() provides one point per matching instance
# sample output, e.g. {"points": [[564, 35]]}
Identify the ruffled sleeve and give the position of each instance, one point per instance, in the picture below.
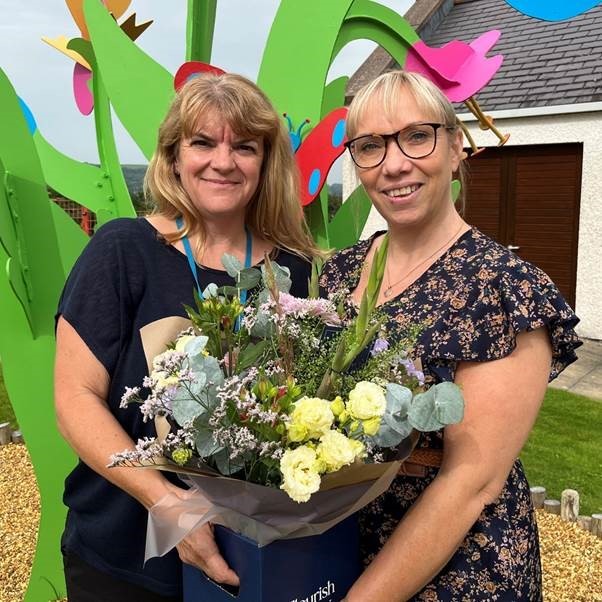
{"points": [[501, 304]]}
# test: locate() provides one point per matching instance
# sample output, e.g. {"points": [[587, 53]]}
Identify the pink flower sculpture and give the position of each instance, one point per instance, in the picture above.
{"points": [[460, 70]]}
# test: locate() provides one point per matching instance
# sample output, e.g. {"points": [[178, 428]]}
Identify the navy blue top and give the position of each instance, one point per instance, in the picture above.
{"points": [[128, 277]]}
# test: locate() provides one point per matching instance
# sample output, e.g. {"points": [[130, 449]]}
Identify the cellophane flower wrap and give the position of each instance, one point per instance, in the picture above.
{"points": [[282, 417]]}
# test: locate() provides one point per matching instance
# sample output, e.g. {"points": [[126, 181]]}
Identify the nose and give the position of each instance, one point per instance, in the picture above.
{"points": [[222, 158], [395, 161]]}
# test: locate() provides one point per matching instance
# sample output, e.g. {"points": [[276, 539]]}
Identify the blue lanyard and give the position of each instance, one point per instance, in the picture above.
{"points": [[192, 263]]}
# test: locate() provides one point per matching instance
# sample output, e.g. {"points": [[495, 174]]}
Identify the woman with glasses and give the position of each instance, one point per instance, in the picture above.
{"points": [[457, 523]]}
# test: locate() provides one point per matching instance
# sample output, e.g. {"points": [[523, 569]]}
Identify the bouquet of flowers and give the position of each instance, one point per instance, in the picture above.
{"points": [[282, 399]]}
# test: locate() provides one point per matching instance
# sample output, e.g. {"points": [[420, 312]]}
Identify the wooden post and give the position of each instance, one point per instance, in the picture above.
{"points": [[585, 522], [569, 505], [552, 506], [5, 432], [538, 495], [17, 437], [597, 525]]}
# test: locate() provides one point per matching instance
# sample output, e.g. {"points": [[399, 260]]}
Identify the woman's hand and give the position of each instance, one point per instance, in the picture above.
{"points": [[199, 549]]}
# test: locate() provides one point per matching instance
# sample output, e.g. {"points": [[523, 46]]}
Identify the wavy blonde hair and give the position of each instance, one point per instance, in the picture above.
{"points": [[274, 212], [385, 92]]}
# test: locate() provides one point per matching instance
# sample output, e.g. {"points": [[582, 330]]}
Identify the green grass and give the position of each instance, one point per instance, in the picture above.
{"points": [[6, 410], [564, 450]]}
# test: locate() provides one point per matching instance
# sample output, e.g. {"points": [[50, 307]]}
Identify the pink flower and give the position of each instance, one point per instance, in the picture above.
{"points": [[319, 308], [460, 70]]}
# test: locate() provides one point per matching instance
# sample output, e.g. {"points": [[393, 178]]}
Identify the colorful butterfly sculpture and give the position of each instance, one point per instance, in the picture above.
{"points": [[82, 71]]}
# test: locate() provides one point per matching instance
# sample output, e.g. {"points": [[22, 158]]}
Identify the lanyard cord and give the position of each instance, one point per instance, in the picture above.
{"points": [[193, 266]]}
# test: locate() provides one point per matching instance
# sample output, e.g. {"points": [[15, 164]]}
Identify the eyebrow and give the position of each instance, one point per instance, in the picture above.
{"points": [[401, 130], [201, 134]]}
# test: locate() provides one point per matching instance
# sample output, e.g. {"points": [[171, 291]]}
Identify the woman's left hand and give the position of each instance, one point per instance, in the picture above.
{"points": [[199, 549]]}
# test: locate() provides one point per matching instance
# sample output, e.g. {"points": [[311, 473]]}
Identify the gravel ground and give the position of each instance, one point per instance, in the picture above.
{"points": [[571, 557]]}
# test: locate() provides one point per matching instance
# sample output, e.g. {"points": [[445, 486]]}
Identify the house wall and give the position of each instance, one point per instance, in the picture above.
{"points": [[585, 128]]}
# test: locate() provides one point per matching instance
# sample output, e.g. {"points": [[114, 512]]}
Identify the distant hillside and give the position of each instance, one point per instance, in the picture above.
{"points": [[134, 176], [336, 190]]}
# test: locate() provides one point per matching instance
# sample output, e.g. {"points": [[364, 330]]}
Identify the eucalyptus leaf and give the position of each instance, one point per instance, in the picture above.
{"points": [[423, 412], [225, 465], [210, 291], [398, 399], [232, 264], [387, 437], [281, 277], [227, 291], [263, 327], [441, 405], [205, 445], [209, 367], [399, 425], [250, 354], [449, 402], [186, 405], [248, 278], [196, 345]]}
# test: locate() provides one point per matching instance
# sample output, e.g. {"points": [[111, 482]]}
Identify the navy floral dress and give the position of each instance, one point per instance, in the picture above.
{"points": [[473, 301]]}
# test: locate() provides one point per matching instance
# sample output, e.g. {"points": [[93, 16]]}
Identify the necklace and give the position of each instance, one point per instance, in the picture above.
{"points": [[389, 290]]}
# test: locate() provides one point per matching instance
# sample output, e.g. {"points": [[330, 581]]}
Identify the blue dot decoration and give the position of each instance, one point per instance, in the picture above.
{"points": [[553, 10], [314, 181], [29, 118], [338, 133]]}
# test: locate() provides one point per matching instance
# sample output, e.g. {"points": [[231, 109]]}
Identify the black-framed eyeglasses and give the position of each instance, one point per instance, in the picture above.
{"points": [[416, 141]]}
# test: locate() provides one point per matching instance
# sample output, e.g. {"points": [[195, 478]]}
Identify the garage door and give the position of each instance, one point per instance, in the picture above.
{"points": [[527, 198]]}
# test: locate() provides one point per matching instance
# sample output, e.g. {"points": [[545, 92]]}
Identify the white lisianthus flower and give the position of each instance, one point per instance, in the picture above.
{"points": [[366, 400], [300, 477], [372, 425], [310, 419], [335, 450]]}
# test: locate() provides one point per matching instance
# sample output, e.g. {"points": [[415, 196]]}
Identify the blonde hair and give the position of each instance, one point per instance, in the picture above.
{"points": [[386, 91], [274, 212]]}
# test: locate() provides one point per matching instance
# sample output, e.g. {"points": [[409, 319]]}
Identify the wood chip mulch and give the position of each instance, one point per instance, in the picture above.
{"points": [[571, 557]]}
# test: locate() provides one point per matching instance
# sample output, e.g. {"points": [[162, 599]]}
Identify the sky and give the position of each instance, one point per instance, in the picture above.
{"points": [[42, 76]]}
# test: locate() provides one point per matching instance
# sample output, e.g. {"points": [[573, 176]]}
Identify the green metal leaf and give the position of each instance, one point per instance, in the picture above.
{"points": [[139, 88], [456, 188], [372, 21], [83, 183], [346, 226], [200, 24]]}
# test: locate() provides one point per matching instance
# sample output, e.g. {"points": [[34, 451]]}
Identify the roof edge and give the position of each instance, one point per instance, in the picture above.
{"points": [[584, 107]]}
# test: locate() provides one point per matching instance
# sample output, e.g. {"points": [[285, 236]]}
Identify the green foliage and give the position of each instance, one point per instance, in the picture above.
{"points": [[564, 450]]}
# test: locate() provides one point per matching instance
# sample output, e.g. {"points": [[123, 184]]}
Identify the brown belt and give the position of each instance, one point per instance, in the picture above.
{"points": [[419, 460]]}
